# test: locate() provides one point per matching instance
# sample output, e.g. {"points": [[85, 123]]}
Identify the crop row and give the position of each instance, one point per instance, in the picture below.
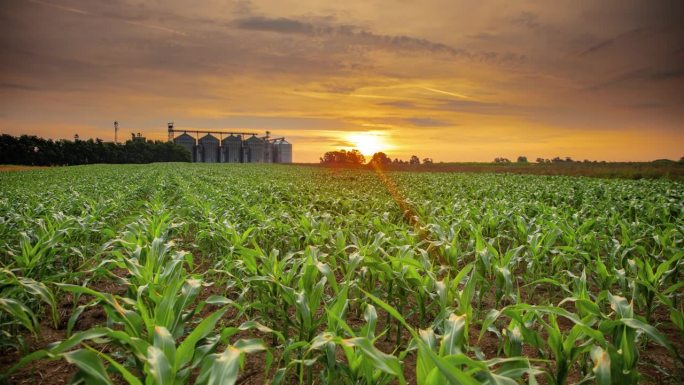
{"points": [[308, 275]]}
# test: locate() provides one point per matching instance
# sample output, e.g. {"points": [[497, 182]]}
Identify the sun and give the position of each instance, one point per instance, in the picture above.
{"points": [[368, 143]]}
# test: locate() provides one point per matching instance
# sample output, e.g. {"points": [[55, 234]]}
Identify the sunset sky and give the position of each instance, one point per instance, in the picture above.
{"points": [[447, 79]]}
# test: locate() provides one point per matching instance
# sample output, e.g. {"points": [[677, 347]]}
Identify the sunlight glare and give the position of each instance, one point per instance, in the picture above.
{"points": [[369, 142]]}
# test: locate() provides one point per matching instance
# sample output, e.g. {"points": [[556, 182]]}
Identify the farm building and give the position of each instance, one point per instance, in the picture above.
{"points": [[232, 147]]}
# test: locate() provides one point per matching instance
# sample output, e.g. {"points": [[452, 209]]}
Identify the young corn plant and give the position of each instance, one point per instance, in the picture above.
{"points": [[448, 363], [19, 307], [625, 330], [651, 281], [161, 361], [365, 364]]}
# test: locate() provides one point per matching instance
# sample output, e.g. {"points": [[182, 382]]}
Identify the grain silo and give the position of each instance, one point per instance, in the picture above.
{"points": [[188, 142], [268, 151], [282, 151], [209, 149], [231, 149], [255, 150]]}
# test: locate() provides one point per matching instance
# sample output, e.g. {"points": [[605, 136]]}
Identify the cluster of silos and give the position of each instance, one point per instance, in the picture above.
{"points": [[232, 149]]}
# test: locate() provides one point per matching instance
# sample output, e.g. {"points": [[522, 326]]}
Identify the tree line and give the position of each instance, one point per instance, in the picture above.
{"points": [[35, 151], [355, 158]]}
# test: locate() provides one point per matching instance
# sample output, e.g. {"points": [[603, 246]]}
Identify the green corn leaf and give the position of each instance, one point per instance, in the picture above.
{"points": [[165, 342], [621, 306], [186, 349], [454, 335], [159, 366], [424, 365], [91, 366], [221, 369], [649, 330], [125, 373], [251, 345], [41, 291], [19, 312], [601, 369], [392, 312], [74, 318], [385, 362]]}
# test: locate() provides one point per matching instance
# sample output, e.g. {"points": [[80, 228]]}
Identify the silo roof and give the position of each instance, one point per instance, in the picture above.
{"points": [[232, 138], [208, 138], [184, 137]]}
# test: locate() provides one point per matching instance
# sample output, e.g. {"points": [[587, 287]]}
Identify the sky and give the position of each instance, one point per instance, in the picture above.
{"points": [[453, 80]]}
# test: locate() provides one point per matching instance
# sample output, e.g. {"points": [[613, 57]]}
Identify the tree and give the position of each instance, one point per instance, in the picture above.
{"points": [[355, 157], [522, 159], [32, 150], [427, 160], [414, 160], [380, 159], [502, 160], [334, 157], [343, 157], [540, 160]]}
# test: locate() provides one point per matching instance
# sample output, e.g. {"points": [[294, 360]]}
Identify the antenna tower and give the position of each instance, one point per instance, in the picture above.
{"points": [[116, 131]]}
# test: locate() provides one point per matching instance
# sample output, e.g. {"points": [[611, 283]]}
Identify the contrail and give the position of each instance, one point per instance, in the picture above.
{"points": [[446, 93], [82, 12]]}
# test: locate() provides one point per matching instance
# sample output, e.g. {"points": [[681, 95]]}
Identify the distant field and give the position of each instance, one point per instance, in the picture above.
{"points": [[12, 167], [633, 170], [174, 273]]}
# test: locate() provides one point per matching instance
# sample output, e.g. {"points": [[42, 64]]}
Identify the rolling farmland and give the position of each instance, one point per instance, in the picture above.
{"points": [[258, 274]]}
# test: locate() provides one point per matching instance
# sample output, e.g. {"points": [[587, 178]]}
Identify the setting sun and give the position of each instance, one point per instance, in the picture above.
{"points": [[369, 142]]}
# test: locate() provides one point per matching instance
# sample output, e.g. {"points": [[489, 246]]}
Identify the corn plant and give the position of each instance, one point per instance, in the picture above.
{"points": [[340, 276]]}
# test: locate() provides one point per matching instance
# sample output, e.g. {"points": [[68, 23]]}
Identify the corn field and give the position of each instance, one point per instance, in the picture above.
{"points": [[267, 274]]}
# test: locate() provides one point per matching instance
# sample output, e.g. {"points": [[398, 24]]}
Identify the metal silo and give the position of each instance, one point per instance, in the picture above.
{"points": [[231, 149], [188, 142], [255, 150], [268, 151], [209, 149], [282, 151]]}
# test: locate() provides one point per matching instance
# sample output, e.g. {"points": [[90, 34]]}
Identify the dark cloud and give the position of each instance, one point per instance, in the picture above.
{"points": [[667, 74], [349, 34], [475, 107], [641, 74], [280, 25], [452, 105], [19, 87], [483, 36], [527, 19], [620, 79], [403, 104], [647, 105], [428, 122], [355, 33], [609, 42]]}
